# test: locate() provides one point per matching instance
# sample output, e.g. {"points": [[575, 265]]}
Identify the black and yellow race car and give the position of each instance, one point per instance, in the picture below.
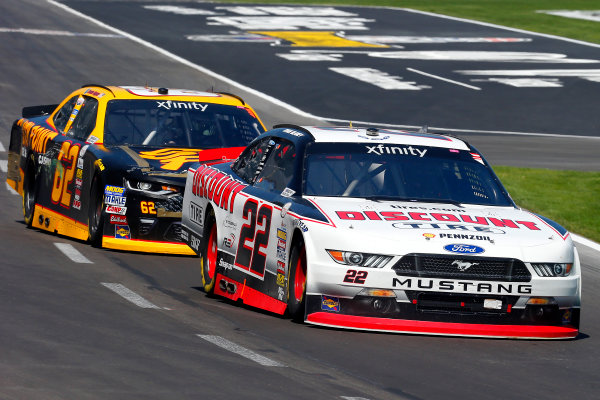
{"points": [[108, 163]]}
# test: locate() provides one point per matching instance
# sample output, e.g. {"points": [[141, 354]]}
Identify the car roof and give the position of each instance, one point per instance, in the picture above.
{"points": [[144, 92], [340, 134]]}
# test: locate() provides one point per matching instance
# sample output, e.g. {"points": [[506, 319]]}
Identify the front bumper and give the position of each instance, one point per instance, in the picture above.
{"points": [[451, 315]]}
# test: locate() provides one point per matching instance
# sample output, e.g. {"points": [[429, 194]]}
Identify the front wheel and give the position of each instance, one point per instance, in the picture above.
{"points": [[208, 261], [297, 282], [96, 213]]}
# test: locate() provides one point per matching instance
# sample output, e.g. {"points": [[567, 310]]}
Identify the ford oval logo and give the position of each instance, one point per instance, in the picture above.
{"points": [[463, 249]]}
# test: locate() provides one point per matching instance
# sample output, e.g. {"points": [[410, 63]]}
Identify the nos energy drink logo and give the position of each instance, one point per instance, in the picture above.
{"points": [[463, 249]]}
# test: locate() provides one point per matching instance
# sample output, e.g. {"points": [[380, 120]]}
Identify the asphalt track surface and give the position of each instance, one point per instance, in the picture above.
{"points": [[66, 335]]}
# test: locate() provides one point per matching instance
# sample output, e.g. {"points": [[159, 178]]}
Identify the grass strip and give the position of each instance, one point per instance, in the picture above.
{"points": [[519, 14], [571, 198]]}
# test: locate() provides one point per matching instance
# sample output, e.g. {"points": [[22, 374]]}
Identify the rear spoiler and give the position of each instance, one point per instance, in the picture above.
{"points": [[37, 111]]}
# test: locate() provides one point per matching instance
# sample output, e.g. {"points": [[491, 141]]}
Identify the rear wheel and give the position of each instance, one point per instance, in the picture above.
{"points": [[297, 282], [29, 195], [96, 213], [208, 261]]}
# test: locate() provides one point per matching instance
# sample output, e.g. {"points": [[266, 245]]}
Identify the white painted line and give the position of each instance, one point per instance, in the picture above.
{"points": [[242, 351], [72, 253], [416, 71], [3, 165], [2, 147], [130, 295], [305, 114], [10, 189], [586, 242], [55, 33]]}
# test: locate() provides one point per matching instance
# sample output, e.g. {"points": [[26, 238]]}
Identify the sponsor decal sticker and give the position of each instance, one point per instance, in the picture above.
{"points": [[34, 136], [287, 192], [196, 213], [225, 265], [122, 232], [403, 151], [301, 225], [115, 199], [282, 234], [118, 219], [228, 241], [98, 163], [280, 279], [463, 249], [329, 303], [280, 267], [110, 209], [116, 190]]}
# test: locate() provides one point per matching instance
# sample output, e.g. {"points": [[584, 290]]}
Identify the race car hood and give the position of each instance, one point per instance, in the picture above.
{"points": [[176, 159], [390, 227]]}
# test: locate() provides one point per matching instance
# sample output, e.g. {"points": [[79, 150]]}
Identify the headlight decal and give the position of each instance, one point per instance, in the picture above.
{"points": [[359, 259]]}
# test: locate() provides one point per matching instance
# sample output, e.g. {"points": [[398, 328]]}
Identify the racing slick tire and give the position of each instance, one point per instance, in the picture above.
{"points": [[29, 194], [296, 290], [96, 213], [208, 260]]}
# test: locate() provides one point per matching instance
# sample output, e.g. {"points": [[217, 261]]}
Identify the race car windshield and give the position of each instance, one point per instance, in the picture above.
{"points": [[400, 172], [179, 123]]}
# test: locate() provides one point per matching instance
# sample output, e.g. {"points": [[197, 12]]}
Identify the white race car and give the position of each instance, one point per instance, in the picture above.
{"points": [[380, 230]]}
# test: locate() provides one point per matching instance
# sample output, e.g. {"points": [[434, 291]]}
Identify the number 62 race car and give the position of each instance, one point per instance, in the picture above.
{"points": [[108, 164], [380, 230]]}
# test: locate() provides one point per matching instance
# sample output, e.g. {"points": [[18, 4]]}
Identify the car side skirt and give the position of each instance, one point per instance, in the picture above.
{"points": [[234, 290], [147, 246], [441, 328], [58, 223]]}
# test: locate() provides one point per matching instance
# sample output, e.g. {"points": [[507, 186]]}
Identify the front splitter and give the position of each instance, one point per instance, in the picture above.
{"points": [[441, 328]]}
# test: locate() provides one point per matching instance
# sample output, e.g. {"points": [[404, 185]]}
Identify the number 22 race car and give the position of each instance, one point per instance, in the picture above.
{"points": [[380, 230], [108, 164]]}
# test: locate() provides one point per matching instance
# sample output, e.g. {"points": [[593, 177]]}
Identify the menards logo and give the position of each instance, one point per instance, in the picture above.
{"points": [[171, 159]]}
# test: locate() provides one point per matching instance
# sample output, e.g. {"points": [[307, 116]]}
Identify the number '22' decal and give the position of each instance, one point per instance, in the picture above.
{"points": [[353, 276], [254, 237]]}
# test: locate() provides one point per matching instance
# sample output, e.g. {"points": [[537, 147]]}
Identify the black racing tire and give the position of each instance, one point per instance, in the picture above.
{"points": [[29, 194], [208, 259], [96, 213], [296, 289]]}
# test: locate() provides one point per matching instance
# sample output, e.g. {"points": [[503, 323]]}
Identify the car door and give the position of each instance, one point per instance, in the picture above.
{"points": [[63, 165], [262, 237]]}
